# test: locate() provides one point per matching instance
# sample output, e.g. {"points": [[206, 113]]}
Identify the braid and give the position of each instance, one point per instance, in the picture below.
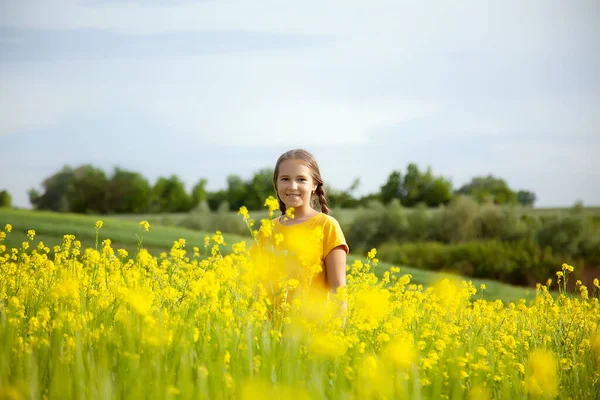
{"points": [[282, 207], [322, 198]]}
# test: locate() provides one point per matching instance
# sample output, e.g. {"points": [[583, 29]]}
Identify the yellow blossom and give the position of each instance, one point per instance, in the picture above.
{"points": [[567, 267], [145, 225], [372, 253], [272, 203], [289, 213], [244, 213], [542, 378]]}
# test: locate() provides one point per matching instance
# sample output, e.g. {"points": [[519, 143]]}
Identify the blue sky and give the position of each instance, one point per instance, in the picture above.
{"points": [[212, 88]]}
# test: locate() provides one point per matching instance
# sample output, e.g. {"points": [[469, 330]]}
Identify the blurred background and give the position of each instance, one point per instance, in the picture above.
{"points": [[441, 124]]}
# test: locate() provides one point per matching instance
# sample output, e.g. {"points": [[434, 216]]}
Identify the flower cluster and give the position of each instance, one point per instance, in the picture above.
{"points": [[86, 322]]}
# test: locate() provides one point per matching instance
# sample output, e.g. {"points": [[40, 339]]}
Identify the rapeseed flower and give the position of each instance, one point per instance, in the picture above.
{"points": [[225, 324], [542, 378], [145, 225]]}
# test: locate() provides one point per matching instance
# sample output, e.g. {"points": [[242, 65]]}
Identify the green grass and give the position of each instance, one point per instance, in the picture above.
{"points": [[51, 227], [347, 215]]}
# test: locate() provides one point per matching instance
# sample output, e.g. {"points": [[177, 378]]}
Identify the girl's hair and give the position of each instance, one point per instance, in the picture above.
{"points": [[311, 163]]}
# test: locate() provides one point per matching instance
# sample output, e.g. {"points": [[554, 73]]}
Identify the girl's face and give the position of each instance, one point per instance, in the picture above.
{"points": [[295, 184]]}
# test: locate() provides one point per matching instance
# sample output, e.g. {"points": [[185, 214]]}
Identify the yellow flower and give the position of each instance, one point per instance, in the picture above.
{"points": [[542, 377], [401, 351], [145, 225], [140, 302], [218, 238], [479, 392], [567, 267], [272, 203], [328, 345], [99, 224], [290, 213], [595, 345], [244, 213], [8, 228], [482, 286], [278, 238], [31, 234], [371, 254], [596, 283], [482, 351]]}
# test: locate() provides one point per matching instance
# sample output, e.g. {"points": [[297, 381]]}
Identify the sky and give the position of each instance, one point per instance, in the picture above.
{"points": [[210, 88]]}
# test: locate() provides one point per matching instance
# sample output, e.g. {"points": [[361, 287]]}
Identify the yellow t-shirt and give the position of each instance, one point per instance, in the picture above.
{"points": [[300, 249]]}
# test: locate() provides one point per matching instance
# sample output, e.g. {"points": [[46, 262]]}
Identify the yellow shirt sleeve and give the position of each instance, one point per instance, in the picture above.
{"points": [[333, 237]]}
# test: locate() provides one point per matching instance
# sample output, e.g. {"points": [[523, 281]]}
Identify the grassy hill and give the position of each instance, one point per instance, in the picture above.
{"points": [[51, 227]]}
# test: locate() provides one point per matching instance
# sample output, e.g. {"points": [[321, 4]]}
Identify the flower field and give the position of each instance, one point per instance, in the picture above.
{"points": [[100, 323]]}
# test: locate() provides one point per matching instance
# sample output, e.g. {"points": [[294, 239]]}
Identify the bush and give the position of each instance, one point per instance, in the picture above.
{"points": [[5, 199], [504, 223], [376, 224], [424, 255], [212, 221], [457, 222], [520, 263], [590, 251], [420, 224], [564, 235]]}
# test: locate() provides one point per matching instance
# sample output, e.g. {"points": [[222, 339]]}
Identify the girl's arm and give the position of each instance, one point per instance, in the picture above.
{"points": [[335, 269]]}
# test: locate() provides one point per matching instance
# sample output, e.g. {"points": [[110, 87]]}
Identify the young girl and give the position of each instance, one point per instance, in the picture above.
{"points": [[311, 240]]}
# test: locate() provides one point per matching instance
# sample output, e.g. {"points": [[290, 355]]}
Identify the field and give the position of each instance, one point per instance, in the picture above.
{"points": [[346, 216], [51, 227], [99, 320]]}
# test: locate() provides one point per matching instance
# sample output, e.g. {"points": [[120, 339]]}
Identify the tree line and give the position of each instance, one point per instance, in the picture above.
{"points": [[88, 189]]}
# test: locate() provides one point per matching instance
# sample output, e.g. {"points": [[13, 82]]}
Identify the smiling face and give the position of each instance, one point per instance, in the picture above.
{"points": [[295, 185]]}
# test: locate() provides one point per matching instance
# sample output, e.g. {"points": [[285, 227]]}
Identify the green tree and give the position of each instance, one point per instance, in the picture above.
{"points": [[217, 199], [236, 192], [393, 188], [416, 187], [489, 188], [413, 186], [343, 198], [56, 191], [5, 199], [89, 190], [258, 189], [526, 198], [199, 192], [169, 195], [439, 192], [128, 192]]}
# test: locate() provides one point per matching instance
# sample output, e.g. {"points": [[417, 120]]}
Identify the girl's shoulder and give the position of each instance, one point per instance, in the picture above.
{"points": [[326, 219]]}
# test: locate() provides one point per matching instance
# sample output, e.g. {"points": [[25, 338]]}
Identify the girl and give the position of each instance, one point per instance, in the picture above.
{"points": [[311, 242]]}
